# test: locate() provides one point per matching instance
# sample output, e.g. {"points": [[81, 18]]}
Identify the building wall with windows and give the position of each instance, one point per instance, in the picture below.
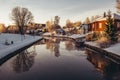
{"points": [[100, 23]]}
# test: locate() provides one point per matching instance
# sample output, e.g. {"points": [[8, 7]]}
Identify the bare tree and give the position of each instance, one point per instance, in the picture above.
{"points": [[92, 18], [87, 20], [21, 17], [69, 24]]}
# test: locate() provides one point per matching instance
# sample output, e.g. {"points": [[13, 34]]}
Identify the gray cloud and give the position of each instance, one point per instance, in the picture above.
{"points": [[49, 8]]}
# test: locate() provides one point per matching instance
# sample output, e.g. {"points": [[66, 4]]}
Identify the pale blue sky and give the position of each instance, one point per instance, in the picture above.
{"points": [[44, 10]]}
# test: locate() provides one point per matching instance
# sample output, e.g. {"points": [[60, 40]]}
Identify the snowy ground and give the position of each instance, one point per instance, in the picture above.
{"points": [[113, 48], [75, 36], [18, 43], [92, 43]]}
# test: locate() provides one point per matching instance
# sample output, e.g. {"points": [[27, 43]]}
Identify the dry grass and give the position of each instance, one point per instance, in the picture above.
{"points": [[103, 42]]}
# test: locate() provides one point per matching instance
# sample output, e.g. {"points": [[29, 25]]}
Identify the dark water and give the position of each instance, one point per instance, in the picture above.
{"points": [[58, 59]]}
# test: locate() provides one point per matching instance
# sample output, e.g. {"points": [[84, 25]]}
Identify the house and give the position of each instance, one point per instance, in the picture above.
{"points": [[35, 26], [60, 32], [12, 29], [85, 28], [100, 23], [2, 28]]}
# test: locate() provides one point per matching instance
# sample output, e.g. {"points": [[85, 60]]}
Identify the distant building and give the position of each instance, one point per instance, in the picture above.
{"points": [[99, 24], [2, 28], [12, 29], [35, 26], [85, 28]]}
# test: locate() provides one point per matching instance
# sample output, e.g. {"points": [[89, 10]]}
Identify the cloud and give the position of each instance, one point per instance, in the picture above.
{"points": [[43, 10]]}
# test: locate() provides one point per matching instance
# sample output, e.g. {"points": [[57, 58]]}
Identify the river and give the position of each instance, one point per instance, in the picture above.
{"points": [[58, 59]]}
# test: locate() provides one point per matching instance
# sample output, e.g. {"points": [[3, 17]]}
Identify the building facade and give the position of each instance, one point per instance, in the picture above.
{"points": [[99, 24]]}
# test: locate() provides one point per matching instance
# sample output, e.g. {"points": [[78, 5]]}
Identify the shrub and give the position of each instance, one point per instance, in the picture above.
{"points": [[93, 37], [103, 42]]}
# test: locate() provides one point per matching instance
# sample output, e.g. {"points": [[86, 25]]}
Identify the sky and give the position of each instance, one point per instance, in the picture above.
{"points": [[44, 10]]}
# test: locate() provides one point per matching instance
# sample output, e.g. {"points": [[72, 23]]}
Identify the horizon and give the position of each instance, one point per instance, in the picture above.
{"points": [[44, 10]]}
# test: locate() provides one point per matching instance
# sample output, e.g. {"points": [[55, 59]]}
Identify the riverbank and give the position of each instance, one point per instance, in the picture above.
{"points": [[10, 43], [73, 36], [111, 52]]}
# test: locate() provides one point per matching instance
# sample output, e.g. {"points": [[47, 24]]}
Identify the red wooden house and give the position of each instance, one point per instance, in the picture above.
{"points": [[99, 24]]}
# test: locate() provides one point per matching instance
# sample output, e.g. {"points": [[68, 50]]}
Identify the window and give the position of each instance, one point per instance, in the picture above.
{"points": [[100, 25]]}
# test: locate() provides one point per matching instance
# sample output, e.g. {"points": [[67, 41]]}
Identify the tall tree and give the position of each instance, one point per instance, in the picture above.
{"points": [[48, 25], [92, 18], [104, 14], [22, 17], [77, 23], [110, 29], [87, 21], [56, 20], [69, 24]]}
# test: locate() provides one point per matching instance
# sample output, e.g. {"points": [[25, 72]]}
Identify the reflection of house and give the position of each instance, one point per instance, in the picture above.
{"points": [[2, 28], [100, 23]]}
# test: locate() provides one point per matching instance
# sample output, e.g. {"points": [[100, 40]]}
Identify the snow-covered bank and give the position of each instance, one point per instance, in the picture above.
{"points": [[75, 36], [114, 49], [92, 44], [17, 43]]}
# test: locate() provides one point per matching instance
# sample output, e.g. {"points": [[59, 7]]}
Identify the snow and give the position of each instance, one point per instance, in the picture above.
{"points": [[18, 43], [47, 34], [92, 43], [101, 18], [114, 49], [75, 36]]}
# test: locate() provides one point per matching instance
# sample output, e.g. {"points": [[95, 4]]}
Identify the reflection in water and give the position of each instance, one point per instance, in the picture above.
{"points": [[109, 69], [72, 65], [72, 45], [24, 61], [69, 45], [53, 44]]}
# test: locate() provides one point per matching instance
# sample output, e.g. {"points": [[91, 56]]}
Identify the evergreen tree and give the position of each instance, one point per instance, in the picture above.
{"points": [[110, 29]]}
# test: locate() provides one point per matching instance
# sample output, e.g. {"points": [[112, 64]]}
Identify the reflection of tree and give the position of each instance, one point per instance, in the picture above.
{"points": [[72, 45], [56, 50], [69, 45], [53, 45], [103, 64], [23, 61]]}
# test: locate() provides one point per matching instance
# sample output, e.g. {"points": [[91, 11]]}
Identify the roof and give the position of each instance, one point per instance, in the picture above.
{"points": [[101, 18]]}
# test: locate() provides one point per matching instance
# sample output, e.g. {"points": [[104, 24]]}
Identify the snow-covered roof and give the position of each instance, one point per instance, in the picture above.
{"points": [[116, 16], [101, 18]]}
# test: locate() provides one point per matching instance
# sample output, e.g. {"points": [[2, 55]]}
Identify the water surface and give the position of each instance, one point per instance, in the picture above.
{"points": [[57, 59]]}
